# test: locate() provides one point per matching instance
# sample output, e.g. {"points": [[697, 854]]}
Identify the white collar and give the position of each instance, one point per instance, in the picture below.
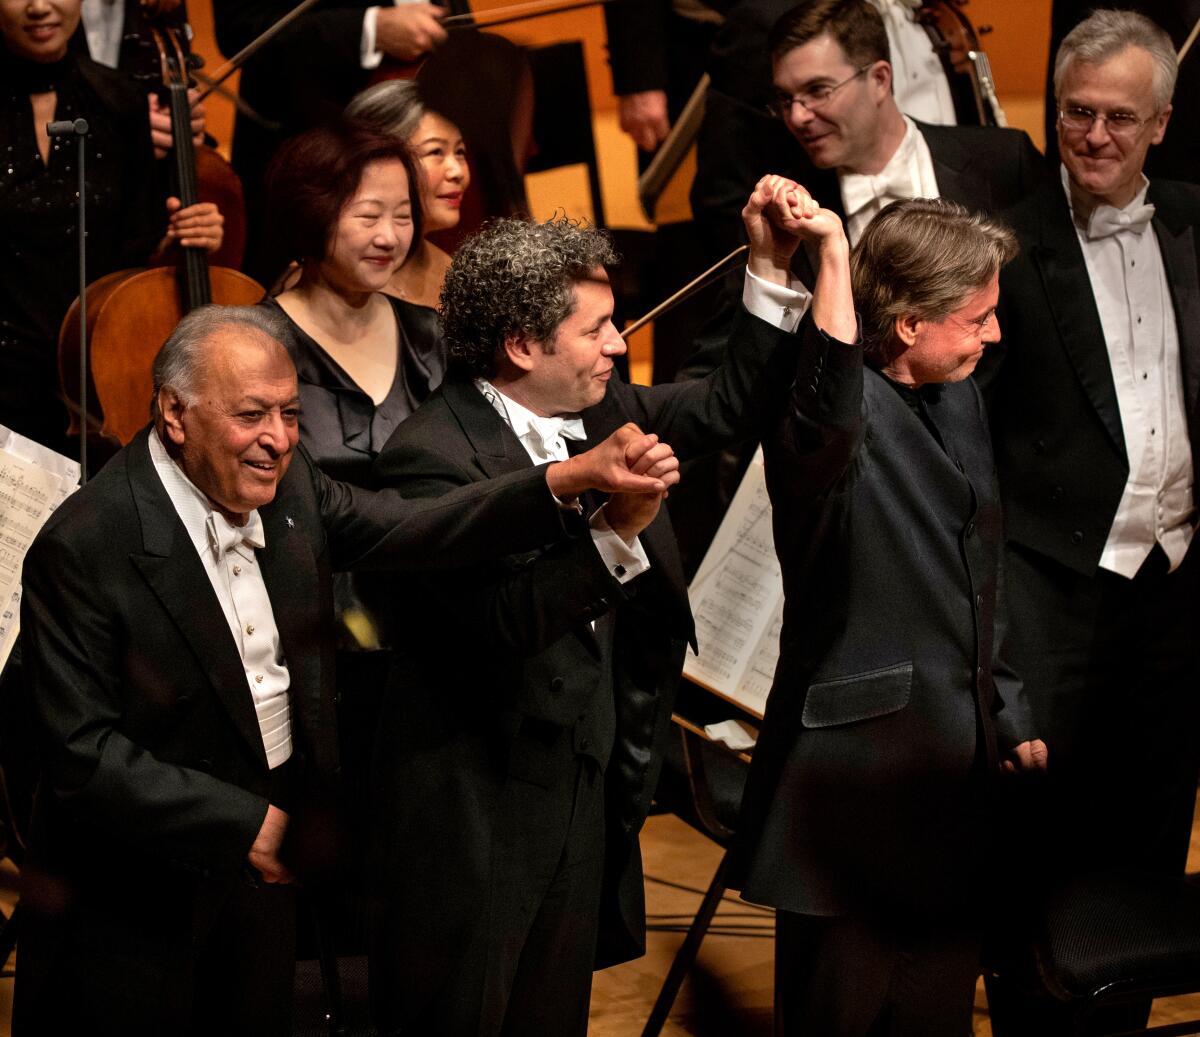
{"points": [[206, 527]]}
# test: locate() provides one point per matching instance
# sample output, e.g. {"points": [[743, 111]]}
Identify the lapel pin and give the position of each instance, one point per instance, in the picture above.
{"points": [[290, 521]]}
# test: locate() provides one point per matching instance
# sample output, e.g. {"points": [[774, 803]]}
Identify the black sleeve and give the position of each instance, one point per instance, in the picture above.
{"points": [[637, 44]]}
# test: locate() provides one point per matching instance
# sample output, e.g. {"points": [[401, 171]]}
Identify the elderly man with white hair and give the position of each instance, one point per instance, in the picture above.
{"points": [[1094, 411]]}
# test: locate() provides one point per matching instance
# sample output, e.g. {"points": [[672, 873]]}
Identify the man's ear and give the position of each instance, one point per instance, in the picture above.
{"points": [[521, 351], [1160, 130], [907, 327], [171, 408], [880, 76]]}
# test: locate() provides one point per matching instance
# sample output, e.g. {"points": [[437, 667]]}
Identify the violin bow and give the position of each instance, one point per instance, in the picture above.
{"points": [[1187, 45], [483, 20]]}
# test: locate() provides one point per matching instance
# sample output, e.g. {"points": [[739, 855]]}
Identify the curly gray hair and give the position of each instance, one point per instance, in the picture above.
{"points": [[515, 277]]}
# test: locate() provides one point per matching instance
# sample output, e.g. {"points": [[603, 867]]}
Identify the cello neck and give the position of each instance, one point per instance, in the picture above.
{"points": [[195, 286]]}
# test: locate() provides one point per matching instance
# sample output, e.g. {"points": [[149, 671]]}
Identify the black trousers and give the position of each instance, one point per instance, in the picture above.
{"points": [[851, 977], [187, 957], [525, 967], [1111, 667]]}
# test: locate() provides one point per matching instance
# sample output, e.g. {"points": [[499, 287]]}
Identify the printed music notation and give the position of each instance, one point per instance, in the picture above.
{"points": [[33, 482], [737, 599]]}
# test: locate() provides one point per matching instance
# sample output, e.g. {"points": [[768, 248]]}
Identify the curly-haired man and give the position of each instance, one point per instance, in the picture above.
{"points": [[517, 748]]}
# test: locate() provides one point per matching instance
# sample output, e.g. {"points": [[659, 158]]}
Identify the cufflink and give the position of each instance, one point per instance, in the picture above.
{"points": [[619, 570]]}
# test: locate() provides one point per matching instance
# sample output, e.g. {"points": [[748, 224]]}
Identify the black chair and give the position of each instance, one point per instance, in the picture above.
{"points": [[702, 783], [1111, 939]]}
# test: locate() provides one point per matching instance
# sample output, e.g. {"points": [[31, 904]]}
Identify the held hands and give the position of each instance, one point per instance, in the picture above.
{"points": [[626, 462], [160, 123], [264, 853], [778, 216], [198, 226], [629, 513], [1027, 757], [643, 117], [410, 30]]}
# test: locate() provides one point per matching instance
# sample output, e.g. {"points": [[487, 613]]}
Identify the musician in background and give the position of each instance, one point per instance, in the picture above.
{"points": [[42, 80], [1178, 156], [659, 49], [115, 33], [307, 74], [1095, 417], [397, 108]]}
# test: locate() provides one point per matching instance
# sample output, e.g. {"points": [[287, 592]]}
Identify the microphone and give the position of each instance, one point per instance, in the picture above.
{"points": [[67, 128]]}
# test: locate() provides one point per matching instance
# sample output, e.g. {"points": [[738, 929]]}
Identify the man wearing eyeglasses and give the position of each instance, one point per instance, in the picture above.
{"points": [[833, 90], [1093, 404]]}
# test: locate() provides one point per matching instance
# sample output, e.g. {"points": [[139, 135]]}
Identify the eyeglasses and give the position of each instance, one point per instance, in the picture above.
{"points": [[811, 99], [1118, 124], [977, 324]]}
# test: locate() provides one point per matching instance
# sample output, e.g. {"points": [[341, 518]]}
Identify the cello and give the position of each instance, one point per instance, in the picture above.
{"points": [[130, 313]]}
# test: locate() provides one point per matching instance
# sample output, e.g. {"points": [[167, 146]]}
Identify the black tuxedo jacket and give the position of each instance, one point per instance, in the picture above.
{"points": [[1060, 448], [869, 776], [154, 772], [498, 675]]}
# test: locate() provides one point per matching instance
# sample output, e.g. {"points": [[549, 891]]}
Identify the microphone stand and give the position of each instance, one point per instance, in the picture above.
{"points": [[78, 128]]}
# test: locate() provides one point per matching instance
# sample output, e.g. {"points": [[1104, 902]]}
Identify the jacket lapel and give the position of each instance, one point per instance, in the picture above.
{"points": [[290, 573], [497, 450], [950, 169], [1059, 260], [1178, 247], [175, 573]]}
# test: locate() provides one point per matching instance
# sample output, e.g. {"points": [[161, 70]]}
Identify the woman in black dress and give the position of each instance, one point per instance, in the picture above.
{"points": [[128, 226], [339, 205]]}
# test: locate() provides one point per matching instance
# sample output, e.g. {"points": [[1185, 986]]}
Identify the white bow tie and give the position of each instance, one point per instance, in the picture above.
{"points": [[860, 190], [224, 537], [1106, 221], [545, 431]]}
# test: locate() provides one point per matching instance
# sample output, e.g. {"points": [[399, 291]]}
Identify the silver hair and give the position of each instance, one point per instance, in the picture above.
{"points": [[394, 107], [180, 362], [1105, 33], [515, 277]]}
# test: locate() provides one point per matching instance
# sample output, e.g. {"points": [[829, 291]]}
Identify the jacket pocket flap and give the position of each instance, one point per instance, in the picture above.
{"points": [[844, 700]]}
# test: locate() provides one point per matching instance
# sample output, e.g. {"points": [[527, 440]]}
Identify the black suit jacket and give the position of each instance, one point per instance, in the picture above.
{"points": [[867, 782], [1060, 448], [154, 771], [498, 675]]}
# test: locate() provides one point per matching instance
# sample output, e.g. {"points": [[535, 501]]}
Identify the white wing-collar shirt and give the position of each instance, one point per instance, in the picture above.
{"points": [[1129, 283], [227, 553]]}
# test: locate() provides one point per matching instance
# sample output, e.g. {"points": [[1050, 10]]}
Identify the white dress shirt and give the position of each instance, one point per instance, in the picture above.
{"points": [[908, 174], [918, 75], [1129, 283], [544, 439], [104, 25], [227, 554], [368, 55]]}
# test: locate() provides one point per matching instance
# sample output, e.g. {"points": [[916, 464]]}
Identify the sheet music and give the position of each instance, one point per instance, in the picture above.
{"points": [[33, 482], [737, 599]]}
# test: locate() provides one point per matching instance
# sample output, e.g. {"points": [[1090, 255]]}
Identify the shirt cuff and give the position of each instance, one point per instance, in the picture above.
{"points": [[624, 559], [783, 307], [368, 56]]}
